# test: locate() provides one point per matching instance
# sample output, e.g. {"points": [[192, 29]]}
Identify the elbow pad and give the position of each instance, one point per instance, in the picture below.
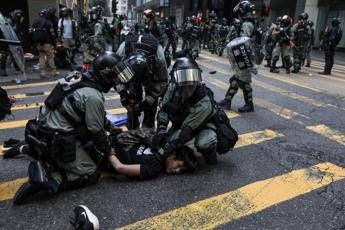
{"points": [[101, 142]]}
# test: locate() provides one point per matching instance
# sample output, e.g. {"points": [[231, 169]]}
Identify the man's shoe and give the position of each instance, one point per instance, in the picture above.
{"points": [[274, 70], [84, 219], [11, 143], [13, 151], [307, 65], [324, 73], [246, 108], [25, 191], [225, 104]]}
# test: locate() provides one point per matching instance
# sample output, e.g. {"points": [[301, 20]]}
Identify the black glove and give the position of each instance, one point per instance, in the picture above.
{"points": [[168, 148]]}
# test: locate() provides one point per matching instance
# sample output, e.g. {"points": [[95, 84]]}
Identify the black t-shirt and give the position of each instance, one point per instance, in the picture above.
{"points": [[150, 164]]}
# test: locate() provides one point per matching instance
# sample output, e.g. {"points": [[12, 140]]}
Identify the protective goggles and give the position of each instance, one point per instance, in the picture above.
{"points": [[187, 76], [124, 71]]}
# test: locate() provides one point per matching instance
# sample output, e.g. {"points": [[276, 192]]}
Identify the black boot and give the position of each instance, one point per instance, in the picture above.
{"points": [[295, 70], [15, 150], [273, 67], [225, 104], [25, 191], [247, 108]]}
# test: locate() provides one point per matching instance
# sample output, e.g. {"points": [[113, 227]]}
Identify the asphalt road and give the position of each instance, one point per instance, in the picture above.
{"points": [[286, 172]]}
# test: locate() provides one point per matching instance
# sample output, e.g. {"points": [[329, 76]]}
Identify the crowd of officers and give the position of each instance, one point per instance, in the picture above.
{"points": [[72, 139]]}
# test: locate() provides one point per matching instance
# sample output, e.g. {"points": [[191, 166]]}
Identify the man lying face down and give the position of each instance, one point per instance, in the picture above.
{"points": [[133, 155]]}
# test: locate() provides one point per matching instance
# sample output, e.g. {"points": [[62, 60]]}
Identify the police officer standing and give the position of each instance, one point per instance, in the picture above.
{"points": [[100, 27], [310, 42], [143, 69], [242, 79], [67, 32], [68, 141], [223, 31], [193, 32], [282, 36], [331, 39], [170, 31], [270, 42], [299, 37], [44, 37]]}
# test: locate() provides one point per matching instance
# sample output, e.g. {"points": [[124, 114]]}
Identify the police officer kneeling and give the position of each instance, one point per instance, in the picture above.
{"points": [[72, 119], [189, 106]]}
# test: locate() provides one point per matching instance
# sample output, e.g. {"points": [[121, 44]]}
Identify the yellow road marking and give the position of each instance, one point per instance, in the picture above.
{"points": [[8, 189], [249, 199], [12, 124], [1, 150], [21, 96], [256, 137], [38, 104], [22, 123], [328, 132], [278, 110], [21, 86]]}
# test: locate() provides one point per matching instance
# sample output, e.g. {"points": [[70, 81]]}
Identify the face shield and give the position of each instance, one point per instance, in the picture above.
{"points": [[124, 71], [187, 80]]}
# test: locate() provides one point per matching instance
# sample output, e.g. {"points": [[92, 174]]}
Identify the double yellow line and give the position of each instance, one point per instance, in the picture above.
{"points": [[249, 199]]}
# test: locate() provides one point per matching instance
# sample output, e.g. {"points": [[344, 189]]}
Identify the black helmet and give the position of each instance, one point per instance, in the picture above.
{"points": [[310, 23], [17, 15], [186, 75], [336, 21], [134, 67], [224, 21], [278, 20], [303, 16], [43, 12], [65, 12], [244, 7], [103, 70], [96, 13]]}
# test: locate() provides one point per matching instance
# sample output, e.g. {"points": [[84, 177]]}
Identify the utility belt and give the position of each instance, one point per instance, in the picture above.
{"points": [[50, 145]]}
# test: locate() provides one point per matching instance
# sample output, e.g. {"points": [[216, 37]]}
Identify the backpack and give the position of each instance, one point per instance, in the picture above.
{"points": [[5, 104], [226, 135]]}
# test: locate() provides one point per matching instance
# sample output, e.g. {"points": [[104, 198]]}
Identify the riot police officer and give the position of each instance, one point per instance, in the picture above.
{"points": [[242, 79], [99, 26], [270, 42], [151, 26], [299, 37], [143, 68], [16, 21], [213, 33], [68, 141], [331, 39], [282, 36], [193, 32], [223, 31], [188, 106], [170, 31], [310, 42]]}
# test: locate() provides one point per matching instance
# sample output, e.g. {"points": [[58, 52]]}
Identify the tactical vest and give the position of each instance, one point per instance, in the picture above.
{"points": [[64, 89], [195, 32]]}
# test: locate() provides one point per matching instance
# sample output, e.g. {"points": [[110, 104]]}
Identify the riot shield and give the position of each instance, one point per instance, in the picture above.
{"points": [[241, 55], [9, 34]]}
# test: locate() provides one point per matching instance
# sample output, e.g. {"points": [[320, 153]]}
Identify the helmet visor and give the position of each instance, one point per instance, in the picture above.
{"points": [[185, 77], [124, 71]]}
